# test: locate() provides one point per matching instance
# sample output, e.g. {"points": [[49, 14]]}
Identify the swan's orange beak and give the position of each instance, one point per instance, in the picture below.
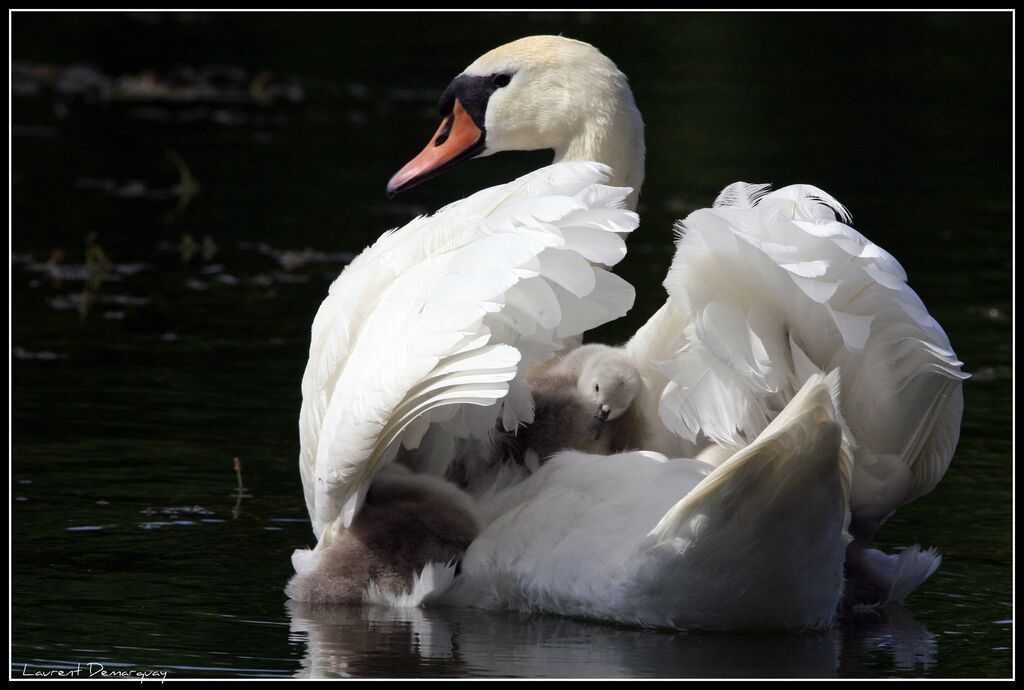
{"points": [[457, 139]]}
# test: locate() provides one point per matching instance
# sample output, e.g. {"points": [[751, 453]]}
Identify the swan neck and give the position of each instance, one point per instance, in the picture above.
{"points": [[613, 135]]}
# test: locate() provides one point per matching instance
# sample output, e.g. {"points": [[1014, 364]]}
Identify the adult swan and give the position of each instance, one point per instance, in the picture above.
{"points": [[425, 339]]}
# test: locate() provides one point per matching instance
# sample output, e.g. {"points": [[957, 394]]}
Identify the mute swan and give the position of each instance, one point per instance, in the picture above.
{"points": [[764, 288], [424, 339]]}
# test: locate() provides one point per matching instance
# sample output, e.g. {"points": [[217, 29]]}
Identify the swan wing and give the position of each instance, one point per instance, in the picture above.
{"points": [[768, 288], [805, 439], [768, 524], [434, 323]]}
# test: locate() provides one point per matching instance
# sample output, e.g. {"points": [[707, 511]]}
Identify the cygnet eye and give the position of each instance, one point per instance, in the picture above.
{"points": [[502, 80], [597, 387]]}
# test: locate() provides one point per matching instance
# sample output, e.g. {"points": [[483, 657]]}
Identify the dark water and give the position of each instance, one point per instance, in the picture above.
{"points": [[186, 186]]}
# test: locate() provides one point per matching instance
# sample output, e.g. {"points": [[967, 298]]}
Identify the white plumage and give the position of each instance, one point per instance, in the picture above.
{"points": [[426, 338], [768, 288], [436, 322], [642, 539]]}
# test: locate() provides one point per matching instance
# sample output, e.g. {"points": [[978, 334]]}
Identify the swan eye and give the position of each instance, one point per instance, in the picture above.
{"points": [[597, 387], [502, 80]]}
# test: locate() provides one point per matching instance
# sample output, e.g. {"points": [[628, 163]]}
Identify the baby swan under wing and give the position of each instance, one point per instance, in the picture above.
{"points": [[584, 402], [408, 522]]}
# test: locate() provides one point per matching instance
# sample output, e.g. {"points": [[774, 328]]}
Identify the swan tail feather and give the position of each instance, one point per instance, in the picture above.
{"points": [[880, 579]]}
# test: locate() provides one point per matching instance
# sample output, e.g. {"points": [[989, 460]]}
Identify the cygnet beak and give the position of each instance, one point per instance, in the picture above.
{"points": [[600, 417]]}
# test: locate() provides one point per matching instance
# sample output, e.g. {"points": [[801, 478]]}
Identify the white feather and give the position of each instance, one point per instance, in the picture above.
{"points": [[444, 313], [427, 586], [644, 540], [770, 288]]}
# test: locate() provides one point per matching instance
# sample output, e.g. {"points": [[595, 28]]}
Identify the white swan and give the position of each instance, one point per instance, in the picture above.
{"points": [[422, 340], [762, 287]]}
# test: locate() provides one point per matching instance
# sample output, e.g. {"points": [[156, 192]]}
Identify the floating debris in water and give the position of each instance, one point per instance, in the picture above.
{"points": [[73, 301], [157, 524], [989, 313], [190, 248], [292, 259], [97, 267], [59, 272], [178, 510], [45, 355], [215, 84], [129, 189], [187, 188]]}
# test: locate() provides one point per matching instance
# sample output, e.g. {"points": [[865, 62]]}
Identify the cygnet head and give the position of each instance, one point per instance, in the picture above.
{"points": [[610, 382], [540, 92]]}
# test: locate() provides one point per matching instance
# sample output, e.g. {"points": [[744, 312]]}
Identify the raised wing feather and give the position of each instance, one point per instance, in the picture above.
{"points": [[437, 319], [773, 286]]}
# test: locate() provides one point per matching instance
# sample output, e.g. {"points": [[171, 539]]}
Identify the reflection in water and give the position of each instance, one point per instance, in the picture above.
{"points": [[893, 633], [358, 641]]}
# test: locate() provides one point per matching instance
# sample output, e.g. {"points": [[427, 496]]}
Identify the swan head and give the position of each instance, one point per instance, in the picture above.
{"points": [[610, 382], [540, 92]]}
